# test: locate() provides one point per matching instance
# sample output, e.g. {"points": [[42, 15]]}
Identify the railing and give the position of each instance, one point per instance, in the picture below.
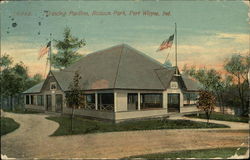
{"points": [[90, 106], [106, 107], [101, 107]]}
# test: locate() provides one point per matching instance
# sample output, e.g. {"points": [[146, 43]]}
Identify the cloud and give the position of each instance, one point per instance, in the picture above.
{"points": [[248, 4], [236, 37], [201, 50], [4, 1]]}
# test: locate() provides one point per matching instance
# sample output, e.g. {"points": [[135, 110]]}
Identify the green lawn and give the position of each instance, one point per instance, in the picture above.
{"points": [[222, 117], [84, 126], [203, 153], [8, 125]]}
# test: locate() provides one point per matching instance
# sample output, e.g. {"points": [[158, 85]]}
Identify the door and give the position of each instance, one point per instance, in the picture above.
{"points": [[173, 102], [48, 103], [59, 103], [132, 101]]}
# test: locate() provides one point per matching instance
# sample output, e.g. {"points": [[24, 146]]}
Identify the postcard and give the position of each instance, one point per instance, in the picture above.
{"points": [[124, 79]]}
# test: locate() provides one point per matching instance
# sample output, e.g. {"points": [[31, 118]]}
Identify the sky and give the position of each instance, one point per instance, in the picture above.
{"points": [[208, 32]]}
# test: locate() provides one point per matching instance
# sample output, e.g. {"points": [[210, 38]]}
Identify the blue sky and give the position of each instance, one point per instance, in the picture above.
{"points": [[208, 31]]}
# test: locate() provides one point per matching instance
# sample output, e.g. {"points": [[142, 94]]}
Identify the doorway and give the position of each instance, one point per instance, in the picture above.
{"points": [[173, 102], [132, 101], [48, 103], [59, 102]]}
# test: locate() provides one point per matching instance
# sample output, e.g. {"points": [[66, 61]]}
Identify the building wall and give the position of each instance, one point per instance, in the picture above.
{"points": [[187, 109], [35, 107], [140, 114], [121, 108], [121, 101], [122, 98], [91, 113]]}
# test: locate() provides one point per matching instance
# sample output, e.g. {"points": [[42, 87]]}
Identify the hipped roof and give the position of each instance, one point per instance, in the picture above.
{"points": [[117, 67]]}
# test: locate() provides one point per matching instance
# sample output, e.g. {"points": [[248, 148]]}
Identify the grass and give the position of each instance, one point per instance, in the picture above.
{"points": [[202, 153], [85, 126], [8, 125], [222, 117]]}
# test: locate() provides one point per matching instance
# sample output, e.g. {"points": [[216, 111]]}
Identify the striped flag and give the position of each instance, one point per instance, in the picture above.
{"points": [[44, 50], [166, 43]]}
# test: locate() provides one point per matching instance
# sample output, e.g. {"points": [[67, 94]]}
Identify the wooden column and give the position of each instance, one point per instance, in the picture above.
{"points": [[139, 101], [115, 104], [96, 101]]}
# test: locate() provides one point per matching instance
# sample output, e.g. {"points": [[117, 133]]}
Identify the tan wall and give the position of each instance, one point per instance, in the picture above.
{"points": [[187, 109], [165, 99], [121, 101], [90, 113], [34, 107], [140, 114]]}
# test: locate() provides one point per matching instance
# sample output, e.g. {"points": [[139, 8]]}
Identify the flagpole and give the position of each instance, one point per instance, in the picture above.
{"points": [[176, 49], [50, 53]]}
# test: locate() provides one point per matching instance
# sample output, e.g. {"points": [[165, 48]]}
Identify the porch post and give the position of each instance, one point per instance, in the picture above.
{"points": [[165, 99], [96, 101], [139, 101], [25, 99], [35, 100], [115, 94], [30, 99]]}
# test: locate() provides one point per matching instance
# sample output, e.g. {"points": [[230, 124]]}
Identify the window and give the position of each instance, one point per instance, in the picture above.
{"points": [[53, 86], [174, 85], [40, 100], [190, 98], [151, 100], [106, 101], [90, 98], [27, 99]]}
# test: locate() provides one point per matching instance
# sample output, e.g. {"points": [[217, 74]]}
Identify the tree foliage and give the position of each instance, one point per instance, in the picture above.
{"points": [[75, 98], [231, 89], [67, 50], [14, 78], [211, 80], [206, 103], [5, 61], [238, 67]]}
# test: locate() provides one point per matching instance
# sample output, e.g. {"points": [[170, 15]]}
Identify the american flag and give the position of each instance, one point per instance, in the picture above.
{"points": [[44, 50], [166, 43]]}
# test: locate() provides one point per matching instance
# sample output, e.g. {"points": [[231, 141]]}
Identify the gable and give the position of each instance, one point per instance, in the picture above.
{"points": [[49, 80], [177, 80]]}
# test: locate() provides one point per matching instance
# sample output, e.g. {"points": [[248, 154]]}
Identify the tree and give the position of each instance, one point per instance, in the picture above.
{"points": [[238, 67], [5, 61], [31, 81], [211, 80], [14, 80], [67, 50], [206, 102], [74, 98]]}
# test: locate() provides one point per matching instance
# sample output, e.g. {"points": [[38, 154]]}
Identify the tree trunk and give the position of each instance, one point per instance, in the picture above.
{"points": [[72, 116], [240, 90], [207, 117], [11, 103]]}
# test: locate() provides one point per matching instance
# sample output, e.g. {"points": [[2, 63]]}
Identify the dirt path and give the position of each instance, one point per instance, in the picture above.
{"points": [[32, 140], [233, 125]]}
